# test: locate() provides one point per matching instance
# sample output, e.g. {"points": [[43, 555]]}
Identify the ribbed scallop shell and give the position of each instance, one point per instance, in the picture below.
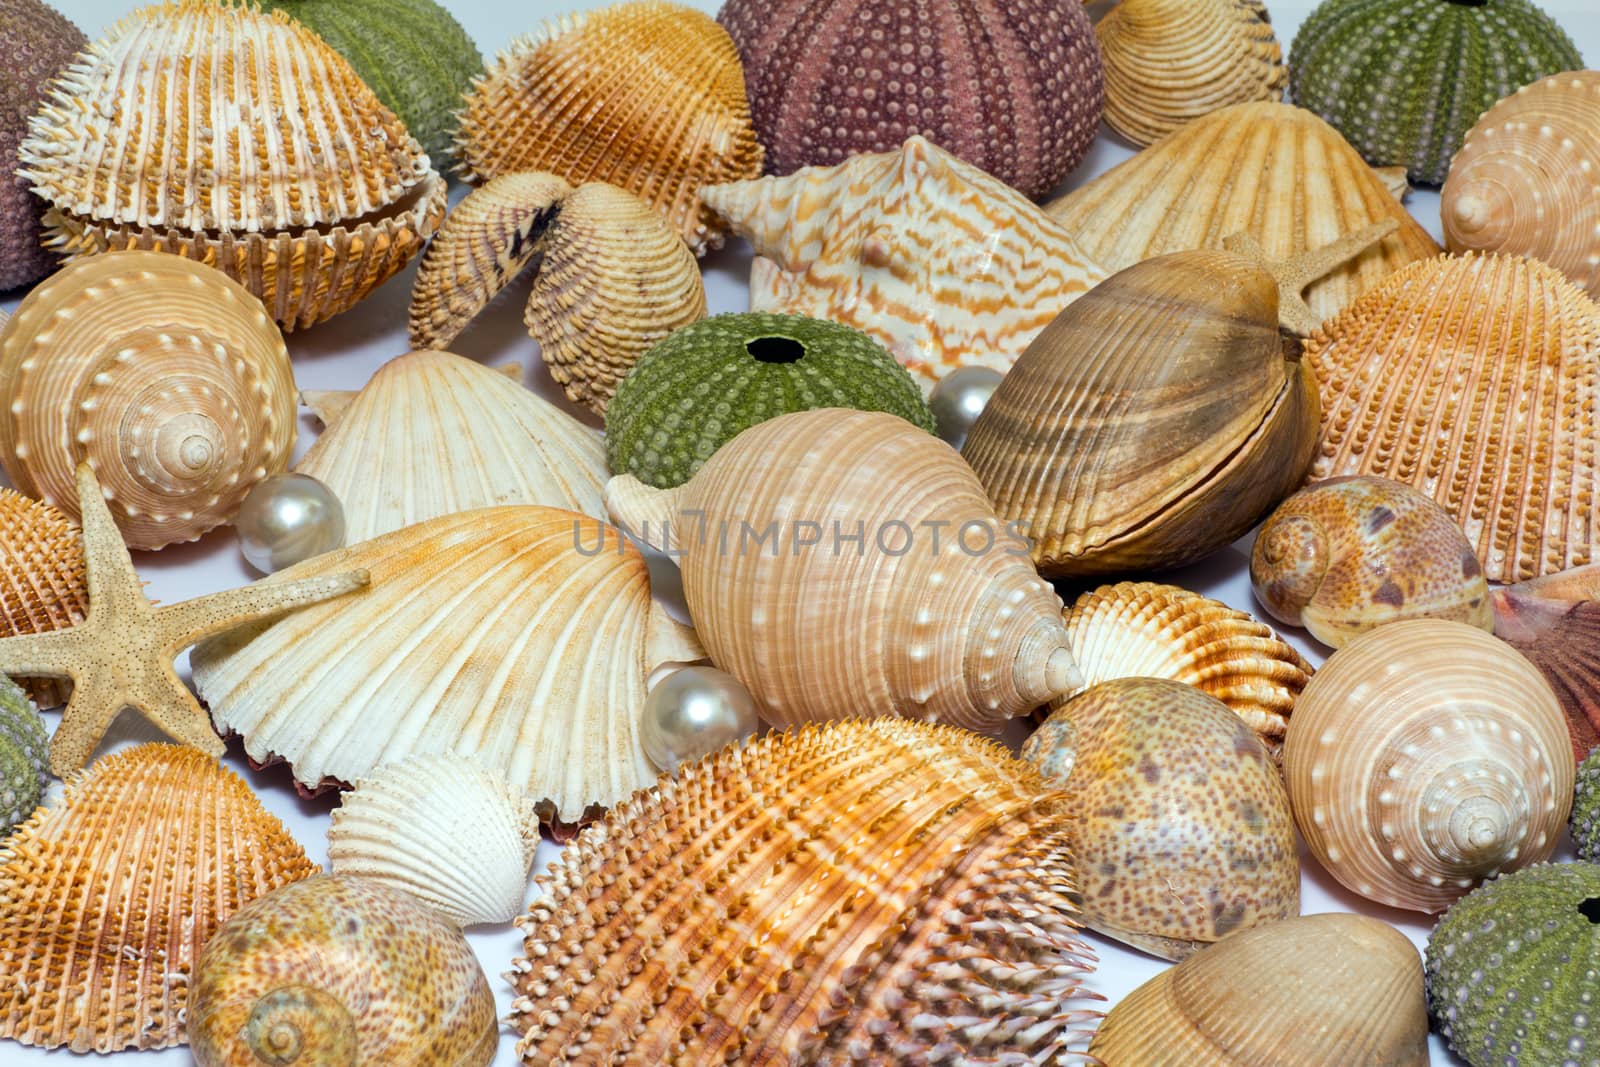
{"points": [[1272, 171], [884, 891], [648, 96], [932, 612], [434, 433], [1555, 623], [442, 829], [1474, 379], [517, 636], [107, 898], [43, 582], [24, 750], [1424, 757], [1524, 180], [163, 375], [1170, 61]]}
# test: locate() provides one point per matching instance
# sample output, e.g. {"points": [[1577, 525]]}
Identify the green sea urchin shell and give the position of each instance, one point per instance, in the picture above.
{"points": [[1404, 80], [1586, 809], [702, 385], [23, 753], [1511, 969]]}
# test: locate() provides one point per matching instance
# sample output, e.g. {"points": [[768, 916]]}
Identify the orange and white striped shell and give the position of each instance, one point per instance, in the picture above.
{"points": [[43, 582]]}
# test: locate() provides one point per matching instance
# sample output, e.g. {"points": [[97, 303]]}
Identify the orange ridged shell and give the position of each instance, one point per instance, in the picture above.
{"points": [[43, 584]]}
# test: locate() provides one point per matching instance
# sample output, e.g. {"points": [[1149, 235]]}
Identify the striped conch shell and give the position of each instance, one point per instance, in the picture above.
{"points": [[43, 582]]}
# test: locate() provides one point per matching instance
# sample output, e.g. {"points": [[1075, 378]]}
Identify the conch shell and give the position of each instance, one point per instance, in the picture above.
{"points": [[1555, 622], [43, 580]]}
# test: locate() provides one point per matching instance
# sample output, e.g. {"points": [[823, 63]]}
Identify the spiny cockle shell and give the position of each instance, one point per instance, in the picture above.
{"points": [[24, 746], [43, 583], [883, 891], [1012, 87], [648, 96], [238, 139], [1555, 622], [942, 263], [1474, 379], [1424, 757], [107, 898], [1524, 180], [842, 562]]}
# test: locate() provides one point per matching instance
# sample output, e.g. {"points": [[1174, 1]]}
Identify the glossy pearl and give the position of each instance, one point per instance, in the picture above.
{"points": [[288, 518], [959, 399], [693, 712]]}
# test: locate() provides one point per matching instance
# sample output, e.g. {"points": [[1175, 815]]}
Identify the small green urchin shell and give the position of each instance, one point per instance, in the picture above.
{"points": [[699, 387], [1513, 969], [1404, 80], [1586, 809], [24, 749]]}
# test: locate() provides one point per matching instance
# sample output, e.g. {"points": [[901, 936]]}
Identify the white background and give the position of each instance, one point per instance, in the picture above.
{"points": [[343, 353]]}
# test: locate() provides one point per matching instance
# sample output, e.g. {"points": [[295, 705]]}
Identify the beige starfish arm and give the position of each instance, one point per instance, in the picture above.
{"points": [[43, 655], [195, 620], [106, 559], [1297, 273]]}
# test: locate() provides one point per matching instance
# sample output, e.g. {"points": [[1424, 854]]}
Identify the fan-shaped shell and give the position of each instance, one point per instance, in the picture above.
{"points": [[908, 900], [1555, 622], [43, 581], [24, 748], [107, 898], [1424, 757], [1474, 379], [434, 433], [163, 375]]}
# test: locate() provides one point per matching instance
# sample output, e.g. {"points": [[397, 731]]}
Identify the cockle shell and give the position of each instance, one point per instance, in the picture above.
{"points": [[1474, 379], [24, 748], [434, 433], [517, 636], [945, 265], [163, 375], [1424, 757], [648, 96], [107, 898], [340, 971], [238, 139], [1524, 182], [1345, 555], [442, 829], [1184, 833], [43, 582], [1555, 622], [908, 900], [932, 612]]}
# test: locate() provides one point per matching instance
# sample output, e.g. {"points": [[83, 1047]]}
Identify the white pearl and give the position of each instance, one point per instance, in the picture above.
{"points": [[288, 518], [693, 712], [959, 398]]}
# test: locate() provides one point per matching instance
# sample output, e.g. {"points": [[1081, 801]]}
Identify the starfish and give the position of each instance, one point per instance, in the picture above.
{"points": [[1295, 274], [120, 655]]}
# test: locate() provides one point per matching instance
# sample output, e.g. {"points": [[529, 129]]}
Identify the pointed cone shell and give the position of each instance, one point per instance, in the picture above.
{"points": [[962, 632], [43, 583], [1555, 623], [442, 829], [1474, 379], [909, 895], [163, 375], [24, 748], [434, 433], [159, 845]]}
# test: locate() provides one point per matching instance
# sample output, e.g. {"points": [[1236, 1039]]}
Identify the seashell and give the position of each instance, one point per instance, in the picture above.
{"points": [[1555, 622], [1153, 422], [442, 829], [945, 265], [1184, 833], [1315, 991], [164, 376], [1424, 757], [517, 636], [1473, 379], [959, 631], [1345, 555], [24, 746], [434, 433], [264, 156], [1013, 87], [1145, 630], [1522, 181], [159, 845], [1171, 61], [1274, 172], [913, 902], [43, 584], [340, 970], [1585, 821], [648, 96]]}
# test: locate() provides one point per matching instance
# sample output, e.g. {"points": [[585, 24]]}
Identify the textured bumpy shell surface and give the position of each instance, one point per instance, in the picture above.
{"points": [[1474, 379], [43, 582], [1555, 623], [1585, 822], [881, 890], [23, 750], [107, 898]]}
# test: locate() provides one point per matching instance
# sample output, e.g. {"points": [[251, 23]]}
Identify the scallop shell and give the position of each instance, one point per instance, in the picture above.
{"points": [[433, 433], [1474, 379], [517, 636], [1170, 61], [237, 139], [442, 829], [909, 901], [1555, 623], [43, 580], [1424, 757], [648, 96], [107, 898], [931, 612], [24, 749], [163, 375], [1523, 181]]}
